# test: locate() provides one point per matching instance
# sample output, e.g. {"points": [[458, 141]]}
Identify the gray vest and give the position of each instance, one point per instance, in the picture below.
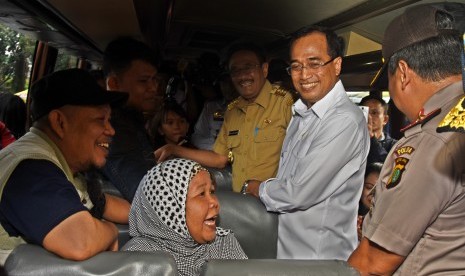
{"points": [[35, 145]]}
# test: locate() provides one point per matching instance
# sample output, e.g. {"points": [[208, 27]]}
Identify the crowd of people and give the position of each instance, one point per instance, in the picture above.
{"points": [[342, 187]]}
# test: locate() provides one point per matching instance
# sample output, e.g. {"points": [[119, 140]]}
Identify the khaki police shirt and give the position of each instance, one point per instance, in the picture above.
{"points": [[254, 133], [419, 205]]}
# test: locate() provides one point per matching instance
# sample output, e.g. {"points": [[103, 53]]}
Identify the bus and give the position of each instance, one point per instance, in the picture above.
{"points": [[180, 32]]}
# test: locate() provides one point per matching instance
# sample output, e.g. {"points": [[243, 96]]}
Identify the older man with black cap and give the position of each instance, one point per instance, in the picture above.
{"points": [[44, 199], [416, 225]]}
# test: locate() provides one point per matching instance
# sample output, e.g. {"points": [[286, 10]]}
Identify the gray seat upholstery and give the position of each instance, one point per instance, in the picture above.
{"points": [[278, 267], [33, 260], [222, 177], [254, 227]]}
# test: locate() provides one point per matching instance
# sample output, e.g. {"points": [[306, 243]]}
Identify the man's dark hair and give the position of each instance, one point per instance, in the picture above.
{"points": [[334, 42], [246, 46], [121, 52], [376, 98], [434, 58]]}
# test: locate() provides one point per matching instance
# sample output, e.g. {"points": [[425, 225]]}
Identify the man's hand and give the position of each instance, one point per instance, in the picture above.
{"points": [[165, 152], [254, 188]]}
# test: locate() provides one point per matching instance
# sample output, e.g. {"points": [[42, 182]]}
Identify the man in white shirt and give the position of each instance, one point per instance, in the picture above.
{"points": [[323, 157]]}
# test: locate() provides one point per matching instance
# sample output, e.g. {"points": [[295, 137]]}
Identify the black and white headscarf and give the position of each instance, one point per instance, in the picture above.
{"points": [[157, 220]]}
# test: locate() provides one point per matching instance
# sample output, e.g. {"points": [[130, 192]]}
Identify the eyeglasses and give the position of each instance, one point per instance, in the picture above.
{"points": [[297, 68], [247, 69]]}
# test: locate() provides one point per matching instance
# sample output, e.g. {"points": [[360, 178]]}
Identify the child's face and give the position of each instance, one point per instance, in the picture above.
{"points": [[174, 128], [367, 193]]}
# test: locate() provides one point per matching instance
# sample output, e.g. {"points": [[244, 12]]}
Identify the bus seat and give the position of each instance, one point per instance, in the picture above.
{"points": [[254, 227], [278, 267], [33, 260], [222, 177]]}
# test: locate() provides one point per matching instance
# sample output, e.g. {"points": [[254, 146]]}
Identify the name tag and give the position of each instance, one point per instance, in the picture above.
{"points": [[233, 132]]}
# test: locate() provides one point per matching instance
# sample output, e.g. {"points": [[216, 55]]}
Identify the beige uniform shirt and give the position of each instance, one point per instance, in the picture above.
{"points": [[419, 205], [254, 133]]}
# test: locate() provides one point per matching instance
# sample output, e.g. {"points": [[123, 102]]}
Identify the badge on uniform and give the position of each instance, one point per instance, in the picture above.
{"points": [[404, 150], [218, 115], [233, 132], [396, 174], [230, 157]]}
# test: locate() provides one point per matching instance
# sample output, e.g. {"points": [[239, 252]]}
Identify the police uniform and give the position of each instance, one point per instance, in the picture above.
{"points": [[252, 134], [419, 205]]}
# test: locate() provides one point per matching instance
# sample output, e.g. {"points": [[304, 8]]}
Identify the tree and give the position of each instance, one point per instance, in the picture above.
{"points": [[15, 59]]}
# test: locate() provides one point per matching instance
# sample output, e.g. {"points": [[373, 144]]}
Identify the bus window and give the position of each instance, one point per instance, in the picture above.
{"points": [[16, 51], [65, 60]]}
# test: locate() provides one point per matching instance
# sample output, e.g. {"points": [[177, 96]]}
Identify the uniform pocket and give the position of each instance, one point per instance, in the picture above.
{"points": [[268, 135]]}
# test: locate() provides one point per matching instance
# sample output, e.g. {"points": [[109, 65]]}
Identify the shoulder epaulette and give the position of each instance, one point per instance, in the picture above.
{"points": [[282, 92], [233, 103], [454, 120], [279, 91]]}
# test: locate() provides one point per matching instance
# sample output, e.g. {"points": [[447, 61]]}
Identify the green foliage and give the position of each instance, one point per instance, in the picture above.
{"points": [[15, 60]]}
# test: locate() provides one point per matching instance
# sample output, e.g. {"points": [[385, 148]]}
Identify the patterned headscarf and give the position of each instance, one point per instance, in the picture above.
{"points": [[157, 220]]}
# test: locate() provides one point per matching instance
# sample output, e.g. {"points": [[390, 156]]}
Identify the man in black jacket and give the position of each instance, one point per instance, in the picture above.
{"points": [[380, 141]]}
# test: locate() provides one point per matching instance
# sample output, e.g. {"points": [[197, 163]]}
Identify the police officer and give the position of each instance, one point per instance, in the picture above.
{"points": [[416, 224]]}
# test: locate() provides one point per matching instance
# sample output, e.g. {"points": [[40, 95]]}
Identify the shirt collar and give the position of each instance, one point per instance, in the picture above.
{"points": [[321, 106], [443, 96]]}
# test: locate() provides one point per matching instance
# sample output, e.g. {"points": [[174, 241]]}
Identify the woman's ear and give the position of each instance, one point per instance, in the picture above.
{"points": [[160, 131]]}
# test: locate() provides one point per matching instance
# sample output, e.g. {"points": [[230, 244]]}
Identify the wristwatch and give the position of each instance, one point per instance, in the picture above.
{"points": [[244, 187]]}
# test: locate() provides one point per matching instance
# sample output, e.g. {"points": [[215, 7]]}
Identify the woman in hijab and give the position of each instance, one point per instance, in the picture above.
{"points": [[175, 210]]}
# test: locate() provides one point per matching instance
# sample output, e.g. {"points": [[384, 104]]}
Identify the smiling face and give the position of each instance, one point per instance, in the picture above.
{"points": [[173, 128], [202, 208], [141, 82], [314, 84], [247, 74], [86, 135]]}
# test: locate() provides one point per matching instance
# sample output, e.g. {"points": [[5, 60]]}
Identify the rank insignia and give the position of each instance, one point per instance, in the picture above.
{"points": [[396, 175], [454, 120]]}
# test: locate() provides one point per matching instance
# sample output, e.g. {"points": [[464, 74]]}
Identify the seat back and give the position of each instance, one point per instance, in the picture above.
{"points": [[278, 267], [222, 177], [33, 260], [254, 227]]}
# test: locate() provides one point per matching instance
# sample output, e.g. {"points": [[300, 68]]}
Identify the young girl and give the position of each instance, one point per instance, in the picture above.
{"points": [[170, 125]]}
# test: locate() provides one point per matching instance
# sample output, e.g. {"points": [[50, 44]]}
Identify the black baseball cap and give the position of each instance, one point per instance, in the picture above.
{"points": [[70, 87]]}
